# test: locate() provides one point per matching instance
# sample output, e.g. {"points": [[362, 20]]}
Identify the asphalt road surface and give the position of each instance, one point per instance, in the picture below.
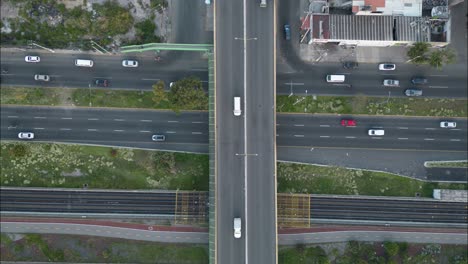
{"points": [[64, 73], [133, 128]]}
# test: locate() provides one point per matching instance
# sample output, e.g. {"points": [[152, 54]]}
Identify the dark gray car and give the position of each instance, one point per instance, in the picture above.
{"points": [[413, 92], [419, 80]]}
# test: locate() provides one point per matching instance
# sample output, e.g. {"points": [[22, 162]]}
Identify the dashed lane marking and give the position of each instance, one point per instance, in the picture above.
{"points": [[146, 120], [40, 117], [299, 135], [92, 129], [65, 129], [402, 138]]}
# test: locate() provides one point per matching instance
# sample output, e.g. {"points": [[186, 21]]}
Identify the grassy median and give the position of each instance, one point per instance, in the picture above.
{"points": [[311, 179], [91, 249], [71, 166], [373, 105]]}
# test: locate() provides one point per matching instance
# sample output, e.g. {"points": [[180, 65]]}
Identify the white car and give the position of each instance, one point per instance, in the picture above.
{"points": [[130, 63], [41, 77], [208, 2], [448, 124], [387, 67], [26, 135], [376, 132], [32, 59], [389, 82], [158, 138], [237, 227]]}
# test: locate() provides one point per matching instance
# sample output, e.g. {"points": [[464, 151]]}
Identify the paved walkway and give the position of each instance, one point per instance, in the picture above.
{"points": [[290, 236]]}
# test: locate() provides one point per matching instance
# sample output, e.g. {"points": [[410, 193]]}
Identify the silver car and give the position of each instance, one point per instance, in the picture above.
{"points": [[448, 124], [130, 63], [413, 92], [42, 77], [158, 138], [26, 135], [390, 82]]}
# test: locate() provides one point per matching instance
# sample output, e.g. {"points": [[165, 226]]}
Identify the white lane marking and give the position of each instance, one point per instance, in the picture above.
{"points": [[146, 120], [350, 137], [438, 75], [438, 87], [324, 136], [324, 125], [196, 133], [455, 129], [149, 79], [93, 118], [65, 129], [119, 130], [428, 139], [66, 118], [299, 125], [120, 120], [172, 121], [429, 128], [291, 83], [403, 138], [299, 135], [197, 122], [402, 127], [40, 117], [39, 128], [12, 116], [145, 131], [170, 132], [455, 139], [376, 137], [92, 129]]}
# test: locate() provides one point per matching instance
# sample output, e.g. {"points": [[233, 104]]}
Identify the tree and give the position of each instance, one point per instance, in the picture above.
{"points": [[418, 52], [391, 248], [188, 94], [440, 57], [159, 94]]}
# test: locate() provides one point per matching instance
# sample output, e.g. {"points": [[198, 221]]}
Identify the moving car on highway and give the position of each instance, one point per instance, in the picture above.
{"points": [[158, 138], [376, 132], [348, 122], [32, 59], [237, 227], [42, 77], [419, 80], [130, 63], [287, 32], [448, 124], [390, 82], [101, 82], [387, 67], [25, 135], [413, 92]]}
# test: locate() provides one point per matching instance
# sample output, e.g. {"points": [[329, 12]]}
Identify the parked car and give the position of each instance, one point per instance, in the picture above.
{"points": [[102, 82], [32, 59], [158, 138], [390, 82], [287, 32], [413, 92], [387, 67], [350, 65], [25, 135], [448, 124], [419, 80], [376, 132], [42, 77], [348, 122], [130, 63]]}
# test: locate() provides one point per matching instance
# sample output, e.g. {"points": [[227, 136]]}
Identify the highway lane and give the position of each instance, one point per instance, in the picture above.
{"points": [[120, 127], [367, 80], [260, 145], [400, 133], [194, 205], [64, 73], [230, 175], [131, 127]]}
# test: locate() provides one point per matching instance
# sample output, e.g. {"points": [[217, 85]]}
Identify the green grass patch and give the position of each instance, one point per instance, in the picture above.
{"points": [[92, 249], [30, 96], [300, 178], [373, 105], [447, 164], [71, 166]]}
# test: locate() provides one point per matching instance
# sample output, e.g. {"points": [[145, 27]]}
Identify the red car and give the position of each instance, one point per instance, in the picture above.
{"points": [[348, 122]]}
